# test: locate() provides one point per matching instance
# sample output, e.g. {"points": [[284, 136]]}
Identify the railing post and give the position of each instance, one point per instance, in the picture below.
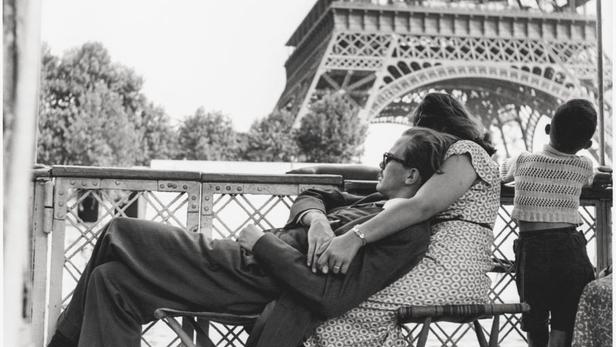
{"points": [[42, 217], [54, 306], [604, 233], [193, 211], [207, 206]]}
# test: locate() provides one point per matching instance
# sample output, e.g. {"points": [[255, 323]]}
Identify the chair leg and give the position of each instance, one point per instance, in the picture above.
{"points": [[481, 338], [494, 332], [203, 338], [423, 336], [177, 328], [187, 326]]}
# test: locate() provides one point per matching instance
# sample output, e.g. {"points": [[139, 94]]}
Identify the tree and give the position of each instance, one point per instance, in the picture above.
{"points": [[271, 139], [161, 138], [208, 136], [92, 112], [331, 132], [101, 132]]}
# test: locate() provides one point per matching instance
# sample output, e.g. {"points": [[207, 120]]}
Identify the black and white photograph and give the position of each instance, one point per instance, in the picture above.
{"points": [[307, 173]]}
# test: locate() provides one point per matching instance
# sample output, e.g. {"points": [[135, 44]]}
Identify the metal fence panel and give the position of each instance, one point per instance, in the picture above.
{"points": [[65, 230]]}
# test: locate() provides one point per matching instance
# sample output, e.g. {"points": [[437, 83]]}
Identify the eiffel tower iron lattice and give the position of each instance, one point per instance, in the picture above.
{"points": [[509, 65]]}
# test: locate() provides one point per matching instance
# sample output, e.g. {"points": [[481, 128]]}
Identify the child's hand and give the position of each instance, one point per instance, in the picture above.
{"points": [[249, 236], [602, 177]]}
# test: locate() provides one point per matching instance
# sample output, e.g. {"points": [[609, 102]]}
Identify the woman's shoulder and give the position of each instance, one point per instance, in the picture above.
{"points": [[466, 146], [481, 161]]}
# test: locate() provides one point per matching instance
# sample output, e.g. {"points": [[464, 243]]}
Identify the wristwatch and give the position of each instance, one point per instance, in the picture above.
{"points": [[358, 233]]}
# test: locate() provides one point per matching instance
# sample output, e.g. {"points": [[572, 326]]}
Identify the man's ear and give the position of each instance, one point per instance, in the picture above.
{"points": [[413, 177], [588, 144], [548, 127]]}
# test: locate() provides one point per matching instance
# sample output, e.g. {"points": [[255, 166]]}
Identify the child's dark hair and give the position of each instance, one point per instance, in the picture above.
{"points": [[425, 150], [442, 112], [573, 125]]}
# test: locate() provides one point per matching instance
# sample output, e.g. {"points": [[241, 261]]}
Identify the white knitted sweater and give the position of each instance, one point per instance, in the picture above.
{"points": [[548, 185]]}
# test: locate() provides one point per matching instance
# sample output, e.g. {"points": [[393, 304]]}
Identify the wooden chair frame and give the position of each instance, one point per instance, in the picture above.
{"points": [[197, 320], [408, 314], [459, 314]]}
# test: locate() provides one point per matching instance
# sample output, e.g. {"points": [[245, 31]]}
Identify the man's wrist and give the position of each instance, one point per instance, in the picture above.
{"points": [[313, 216]]}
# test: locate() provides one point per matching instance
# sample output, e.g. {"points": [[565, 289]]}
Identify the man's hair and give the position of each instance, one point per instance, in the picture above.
{"points": [[574, 124], [425, 150], [442, 112]]}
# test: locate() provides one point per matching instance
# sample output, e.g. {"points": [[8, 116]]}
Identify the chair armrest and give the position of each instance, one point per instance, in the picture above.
{"points": [[224, 318], [457, 313]]}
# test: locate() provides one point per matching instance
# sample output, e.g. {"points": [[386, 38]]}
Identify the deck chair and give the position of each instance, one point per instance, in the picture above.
{"points": [[407, 314]]}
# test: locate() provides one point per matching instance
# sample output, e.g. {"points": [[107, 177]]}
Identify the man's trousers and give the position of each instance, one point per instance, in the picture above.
{"points": [[138, 266]]}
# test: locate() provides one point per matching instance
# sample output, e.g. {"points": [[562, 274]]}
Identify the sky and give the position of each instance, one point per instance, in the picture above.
{"points": [[223, 55]]}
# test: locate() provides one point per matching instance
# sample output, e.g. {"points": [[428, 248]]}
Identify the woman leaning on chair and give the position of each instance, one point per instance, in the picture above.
{"points": [[463, 202]]}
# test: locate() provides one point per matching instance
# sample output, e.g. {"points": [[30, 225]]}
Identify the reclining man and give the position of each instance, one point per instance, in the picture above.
{"points": [[138, 266]]}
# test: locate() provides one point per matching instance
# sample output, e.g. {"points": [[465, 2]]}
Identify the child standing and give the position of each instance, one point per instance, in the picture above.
{"points": [[552, 266]]}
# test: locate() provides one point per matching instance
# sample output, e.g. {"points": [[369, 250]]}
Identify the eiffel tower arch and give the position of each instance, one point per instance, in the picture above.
{"points": [[510, 66]]}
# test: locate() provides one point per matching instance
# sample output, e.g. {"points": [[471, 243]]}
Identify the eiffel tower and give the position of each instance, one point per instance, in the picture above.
{"points": [[510, 64]]}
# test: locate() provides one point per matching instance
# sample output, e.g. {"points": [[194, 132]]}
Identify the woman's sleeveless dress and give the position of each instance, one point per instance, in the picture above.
{"points": [[453, 270]]}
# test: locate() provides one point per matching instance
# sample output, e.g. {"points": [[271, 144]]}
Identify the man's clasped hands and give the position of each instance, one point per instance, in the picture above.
{"points": [[326, 251]]}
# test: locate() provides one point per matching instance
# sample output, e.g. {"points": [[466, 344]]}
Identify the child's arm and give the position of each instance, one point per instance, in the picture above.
{"points": [[507, 169]]}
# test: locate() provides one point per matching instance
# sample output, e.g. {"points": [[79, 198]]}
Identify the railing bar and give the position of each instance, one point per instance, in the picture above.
{"points": [[226, 203], [240, 205], [177, 198], [109, 209], [276, 202], [88, 240], [433, 328], [257, 211], [218, 198], [165, 208], [498, 243], [173, 212], [158, 209], [220, 233], [230, 231], [70, 272], [77, 240], [179, 205]]}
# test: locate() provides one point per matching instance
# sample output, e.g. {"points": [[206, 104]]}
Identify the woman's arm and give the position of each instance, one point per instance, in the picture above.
{"points": [[436, 195]]}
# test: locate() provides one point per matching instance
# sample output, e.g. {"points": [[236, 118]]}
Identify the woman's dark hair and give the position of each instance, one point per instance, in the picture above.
{"points": [[441, 112]]}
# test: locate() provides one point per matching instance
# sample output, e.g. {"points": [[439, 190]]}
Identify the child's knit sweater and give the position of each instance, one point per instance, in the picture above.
{"points": [[548, 185]]}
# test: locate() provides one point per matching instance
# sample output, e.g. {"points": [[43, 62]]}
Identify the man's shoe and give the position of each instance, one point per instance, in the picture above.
{"points": [[59, 340]]}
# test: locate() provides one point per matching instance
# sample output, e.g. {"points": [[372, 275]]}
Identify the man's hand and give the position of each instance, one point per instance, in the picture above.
{"points": [[320, 234], [249, 236], [339, 254]]}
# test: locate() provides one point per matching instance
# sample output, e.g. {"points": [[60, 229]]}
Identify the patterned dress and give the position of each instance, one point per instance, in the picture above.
{"points": [[452, 272], [593, 321]]}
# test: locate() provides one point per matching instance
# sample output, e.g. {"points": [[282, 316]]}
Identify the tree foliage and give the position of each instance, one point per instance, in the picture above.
{"points": [[161, 137], [92, 112], [331, 132], [271, 139], [208, 136]]}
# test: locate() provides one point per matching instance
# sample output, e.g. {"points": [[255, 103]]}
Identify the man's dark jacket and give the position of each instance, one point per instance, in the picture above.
{"points": [[309, 298]]}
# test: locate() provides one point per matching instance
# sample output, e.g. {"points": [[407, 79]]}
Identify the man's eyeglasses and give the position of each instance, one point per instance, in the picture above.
{"points": [[387, 157]]}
